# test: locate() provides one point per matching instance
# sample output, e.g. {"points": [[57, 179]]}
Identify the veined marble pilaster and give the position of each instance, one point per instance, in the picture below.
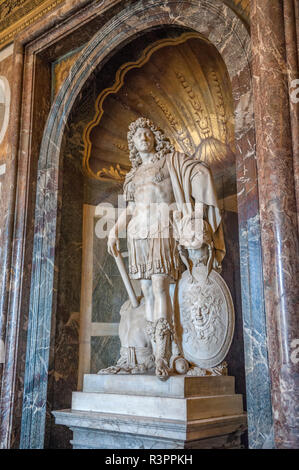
{"points": [[292, 59], [258, 391], [278, 213]]}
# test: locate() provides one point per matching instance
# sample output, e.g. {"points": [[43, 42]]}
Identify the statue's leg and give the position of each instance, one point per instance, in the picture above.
{"points": [[162, 301], [163, 321], [147, 290]]}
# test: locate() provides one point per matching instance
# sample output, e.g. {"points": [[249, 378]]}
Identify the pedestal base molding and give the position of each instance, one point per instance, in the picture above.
{"points": [[181, 413]]}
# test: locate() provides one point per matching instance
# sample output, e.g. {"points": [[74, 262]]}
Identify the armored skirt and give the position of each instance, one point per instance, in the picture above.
{"points": [[151, 249], [153, 256]]}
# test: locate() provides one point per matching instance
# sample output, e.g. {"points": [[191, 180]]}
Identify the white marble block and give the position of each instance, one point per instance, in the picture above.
{"points": [[144, 412], [159, 407], [177, 386]]}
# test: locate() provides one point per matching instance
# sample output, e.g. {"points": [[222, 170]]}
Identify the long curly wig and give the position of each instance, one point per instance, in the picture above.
{"points": [[162, 143], [162, 147]]}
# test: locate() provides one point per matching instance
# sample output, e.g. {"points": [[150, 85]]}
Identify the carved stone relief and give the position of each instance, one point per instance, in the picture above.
{"points": [[207, 317]]}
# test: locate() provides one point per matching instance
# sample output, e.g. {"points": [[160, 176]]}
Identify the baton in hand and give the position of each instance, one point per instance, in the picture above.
{"points": [[126, 280]]}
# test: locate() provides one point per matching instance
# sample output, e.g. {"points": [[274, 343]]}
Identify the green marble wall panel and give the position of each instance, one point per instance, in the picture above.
{"points": [[108, 292], [104, 352]]}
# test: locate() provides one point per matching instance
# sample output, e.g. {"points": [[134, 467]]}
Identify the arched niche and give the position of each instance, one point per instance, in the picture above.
{"points": [[180, 81], [221, 28]]}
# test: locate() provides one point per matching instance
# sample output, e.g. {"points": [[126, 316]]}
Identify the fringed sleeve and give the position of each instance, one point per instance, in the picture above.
{"points": [[129, 187]]}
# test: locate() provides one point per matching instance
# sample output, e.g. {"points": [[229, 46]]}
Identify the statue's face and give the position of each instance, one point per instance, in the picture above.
{"points": [[144, 140]]}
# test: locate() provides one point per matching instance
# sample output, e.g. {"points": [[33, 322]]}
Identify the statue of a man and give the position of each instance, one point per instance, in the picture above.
{"points": [[161, 177]]}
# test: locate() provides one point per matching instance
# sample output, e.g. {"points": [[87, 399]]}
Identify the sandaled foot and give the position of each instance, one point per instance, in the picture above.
{"points": [[117, 369], [162, 369], [139, 369], [109, 370]]}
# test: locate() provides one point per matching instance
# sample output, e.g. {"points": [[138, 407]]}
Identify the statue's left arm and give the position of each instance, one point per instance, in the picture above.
{"points": [[204, 195], [199, 217]]}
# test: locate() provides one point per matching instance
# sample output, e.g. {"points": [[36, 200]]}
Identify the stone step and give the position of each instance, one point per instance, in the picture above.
{"points": [[150, 385], [152, 427], [186, 409]]}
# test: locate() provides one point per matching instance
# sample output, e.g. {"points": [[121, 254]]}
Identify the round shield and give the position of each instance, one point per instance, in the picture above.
{"points": [[207, 317]]}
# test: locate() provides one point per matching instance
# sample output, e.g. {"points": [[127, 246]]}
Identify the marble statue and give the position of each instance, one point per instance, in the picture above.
{"points": [[175, 246]]}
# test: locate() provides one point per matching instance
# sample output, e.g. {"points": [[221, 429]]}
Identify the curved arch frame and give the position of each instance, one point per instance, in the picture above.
{"points": [[218, 24]]}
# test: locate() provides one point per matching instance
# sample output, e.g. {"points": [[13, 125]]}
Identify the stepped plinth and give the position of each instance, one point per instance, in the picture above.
{"points": [[141, 411]]}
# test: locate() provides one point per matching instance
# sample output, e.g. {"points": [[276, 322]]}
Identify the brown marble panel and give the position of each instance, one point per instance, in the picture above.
{"points": [[35, 90], [14, 132], [292, 63], [278, 212], [6, 182], [297, 24]]}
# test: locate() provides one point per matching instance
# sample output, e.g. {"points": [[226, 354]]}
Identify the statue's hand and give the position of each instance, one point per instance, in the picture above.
{"points": [[113, 245]]}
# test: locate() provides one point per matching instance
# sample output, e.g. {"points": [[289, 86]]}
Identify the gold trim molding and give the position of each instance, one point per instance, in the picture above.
{"points": [[21, 16]]}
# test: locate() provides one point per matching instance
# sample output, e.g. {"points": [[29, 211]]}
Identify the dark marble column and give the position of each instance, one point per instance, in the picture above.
{"points": [[278, 211], [292, 62], [297, 24]]}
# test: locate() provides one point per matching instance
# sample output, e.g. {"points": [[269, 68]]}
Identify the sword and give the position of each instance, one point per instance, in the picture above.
{"points": [[126, 280]]}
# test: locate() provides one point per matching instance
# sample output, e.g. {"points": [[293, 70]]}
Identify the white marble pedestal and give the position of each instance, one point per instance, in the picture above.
{"points": [[142, 412]]}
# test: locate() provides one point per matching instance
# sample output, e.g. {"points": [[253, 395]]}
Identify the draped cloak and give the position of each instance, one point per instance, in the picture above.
{"points": [[193, 184]]}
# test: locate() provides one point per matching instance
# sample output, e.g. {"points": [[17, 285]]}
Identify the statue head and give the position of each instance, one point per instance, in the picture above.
{"points": [[162, 143]]}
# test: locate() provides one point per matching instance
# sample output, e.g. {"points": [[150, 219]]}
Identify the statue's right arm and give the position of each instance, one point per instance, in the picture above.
{"points": [[121, 224]]}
